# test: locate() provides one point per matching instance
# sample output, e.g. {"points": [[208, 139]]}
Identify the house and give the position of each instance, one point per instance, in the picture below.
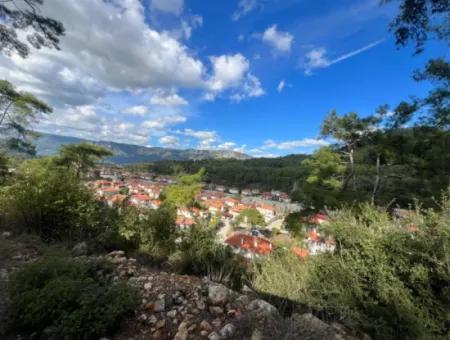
{"points": [[318, 219], [221, 188], [215, 206], [154, 204], [318, 245], [236, 210], [108, 191], [140, 200], [234, 191], [267, 210], [185, 212], [246, 192], [116, 200], [284, 198], [184, 223], [249, 246], [231, 202], [266, 196], [255, 191]]}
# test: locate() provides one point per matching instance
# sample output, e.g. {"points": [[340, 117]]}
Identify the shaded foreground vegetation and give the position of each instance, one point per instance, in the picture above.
{"points": [[388, 277]]}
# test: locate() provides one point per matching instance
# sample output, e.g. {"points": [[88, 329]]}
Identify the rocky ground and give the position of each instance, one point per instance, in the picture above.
{"points": [[184, 307]]}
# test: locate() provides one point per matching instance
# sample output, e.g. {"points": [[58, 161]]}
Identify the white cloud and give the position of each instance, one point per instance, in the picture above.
{"points": [[281, 41], [227, 146], [232, 146], [167, 98], [168, 6], [257, 152], [317, 58], [281, 86], [206, 138], [159, 123], [107, 46], [232, 72], [188, 25], [294, 144], [138, 110], [244, 8], [169, 141], [84, 122]]}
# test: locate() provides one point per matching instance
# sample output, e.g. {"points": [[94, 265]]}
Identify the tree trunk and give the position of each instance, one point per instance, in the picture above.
{"points": [[376, 184], [352, 167]]}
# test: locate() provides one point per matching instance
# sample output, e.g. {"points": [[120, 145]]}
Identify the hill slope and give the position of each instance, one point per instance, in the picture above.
{"points": [[48, 144]]}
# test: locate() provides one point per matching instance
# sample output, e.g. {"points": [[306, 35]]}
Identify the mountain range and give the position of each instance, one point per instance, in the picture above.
{"points": [[48, 144]]}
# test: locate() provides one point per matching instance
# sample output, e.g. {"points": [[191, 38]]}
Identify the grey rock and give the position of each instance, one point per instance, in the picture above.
{"points": [[172, 313], [214, 336], [262, 308], [216, 310], [227, 331], [218, 294]]}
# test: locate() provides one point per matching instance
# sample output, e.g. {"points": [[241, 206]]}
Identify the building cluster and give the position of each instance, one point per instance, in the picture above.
{"points": [[225, 205]]}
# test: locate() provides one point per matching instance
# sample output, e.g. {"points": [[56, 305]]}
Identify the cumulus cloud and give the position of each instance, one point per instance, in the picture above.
{"points": [[232, 72], [167, 98], [205, 138], [124, 54], [294, 144], [159, 123], [281, 86], [84, 122], [317, 58], [169, 141], [168, 6], [280, 41], [138, 110], [244, 8]]}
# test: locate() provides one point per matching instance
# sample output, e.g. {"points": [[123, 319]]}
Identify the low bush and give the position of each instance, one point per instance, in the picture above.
{"points": [[200, 254], [387, 277], [65, 298]]}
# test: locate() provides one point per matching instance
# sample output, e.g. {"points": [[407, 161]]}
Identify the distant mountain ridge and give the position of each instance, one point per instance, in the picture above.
{"points": [[48, 144]]}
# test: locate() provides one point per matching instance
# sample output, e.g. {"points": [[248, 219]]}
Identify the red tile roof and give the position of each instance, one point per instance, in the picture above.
{"points": [[253, 244]]}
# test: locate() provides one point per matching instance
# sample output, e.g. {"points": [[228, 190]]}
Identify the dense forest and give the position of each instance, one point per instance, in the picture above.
{"points": [[259, 173]]}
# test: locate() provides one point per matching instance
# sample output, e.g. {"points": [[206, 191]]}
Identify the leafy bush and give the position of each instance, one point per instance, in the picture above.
{"points": [[387, 277], [52, 202], [68, 298], [200, 254]]}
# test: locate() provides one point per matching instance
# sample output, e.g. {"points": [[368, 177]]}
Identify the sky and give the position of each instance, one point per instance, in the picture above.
{"points": [[254, 76]]}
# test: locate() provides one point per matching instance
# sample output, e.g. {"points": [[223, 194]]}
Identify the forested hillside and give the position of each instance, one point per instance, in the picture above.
{"points": [[261, 173]]}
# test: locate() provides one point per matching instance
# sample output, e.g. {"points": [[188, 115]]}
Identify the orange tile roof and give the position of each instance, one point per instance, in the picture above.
{"points": [[141, 197], [254, 244]]}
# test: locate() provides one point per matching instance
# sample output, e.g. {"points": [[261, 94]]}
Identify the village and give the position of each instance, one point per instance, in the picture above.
{"points": [[224, 209]]}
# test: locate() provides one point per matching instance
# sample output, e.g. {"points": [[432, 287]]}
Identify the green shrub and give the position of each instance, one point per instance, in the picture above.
{"points": [[69, 298], [52, 202], [200, 254], [384, 279]]}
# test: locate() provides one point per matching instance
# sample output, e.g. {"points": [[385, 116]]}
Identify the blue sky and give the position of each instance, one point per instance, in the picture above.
{"points": [[256, 76]]}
